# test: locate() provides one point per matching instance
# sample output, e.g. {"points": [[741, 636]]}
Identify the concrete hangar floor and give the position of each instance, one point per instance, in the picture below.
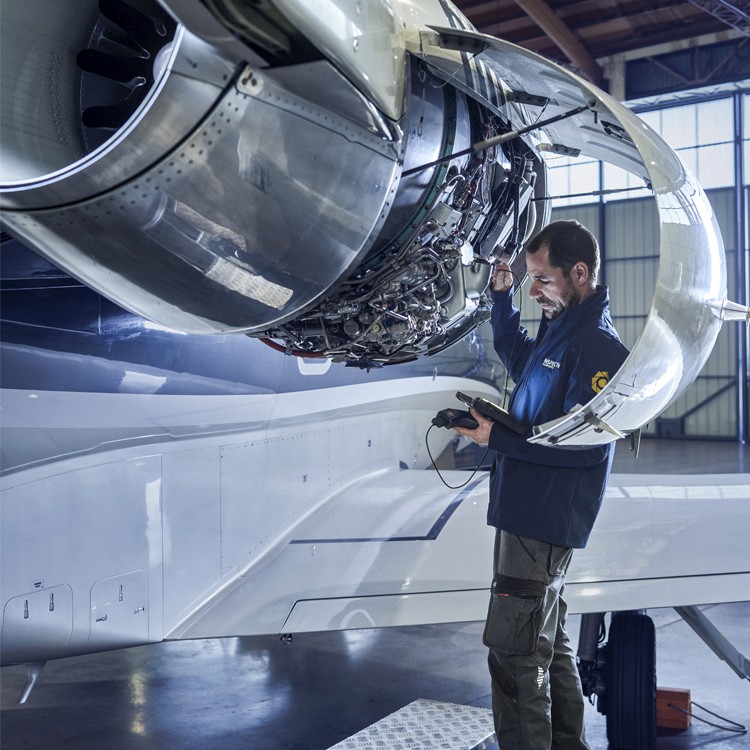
{"points": [[262, 694]]}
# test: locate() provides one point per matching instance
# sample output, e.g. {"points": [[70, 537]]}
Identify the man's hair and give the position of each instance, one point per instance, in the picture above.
{"points": [[569, 242]]}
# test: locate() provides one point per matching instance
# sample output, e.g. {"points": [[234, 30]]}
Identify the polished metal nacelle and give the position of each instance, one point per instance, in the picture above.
{"points": [[213, 195]]}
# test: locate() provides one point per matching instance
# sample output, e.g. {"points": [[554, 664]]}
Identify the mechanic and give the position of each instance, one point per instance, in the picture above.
{"points": [[544, 500]]}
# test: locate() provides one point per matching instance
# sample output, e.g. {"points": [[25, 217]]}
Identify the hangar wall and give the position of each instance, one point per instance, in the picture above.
{"points": [[712, 134]]}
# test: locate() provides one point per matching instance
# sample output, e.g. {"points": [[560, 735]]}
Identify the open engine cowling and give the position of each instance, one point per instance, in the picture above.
{"points": [[212, 195], [333, 178]]}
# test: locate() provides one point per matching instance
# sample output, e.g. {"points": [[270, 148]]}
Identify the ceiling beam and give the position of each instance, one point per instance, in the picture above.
{"points": [[563, 37], [734, 13]]}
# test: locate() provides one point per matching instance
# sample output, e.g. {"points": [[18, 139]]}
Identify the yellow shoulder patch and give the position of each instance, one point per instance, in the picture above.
{"points": [[599, 380]]}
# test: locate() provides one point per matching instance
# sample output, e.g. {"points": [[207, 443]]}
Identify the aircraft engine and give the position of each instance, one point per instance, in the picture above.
{"points": [[259, 191], [335, 178]]}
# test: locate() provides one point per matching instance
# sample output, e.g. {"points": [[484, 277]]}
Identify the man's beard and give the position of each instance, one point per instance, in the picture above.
{"points": [[572, 297]]}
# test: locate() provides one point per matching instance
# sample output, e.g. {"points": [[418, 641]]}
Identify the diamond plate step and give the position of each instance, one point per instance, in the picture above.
{"points": [[427, 725]]}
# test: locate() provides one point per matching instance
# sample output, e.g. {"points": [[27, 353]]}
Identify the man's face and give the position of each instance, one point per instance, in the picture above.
{"points": [[550, 287]]}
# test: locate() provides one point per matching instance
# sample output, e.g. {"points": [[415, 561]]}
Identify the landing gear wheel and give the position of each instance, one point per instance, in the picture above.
{"points": [[631, 682]]}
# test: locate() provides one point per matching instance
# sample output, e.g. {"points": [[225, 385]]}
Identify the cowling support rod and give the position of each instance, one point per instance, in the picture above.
{"points": [[503, 138]]}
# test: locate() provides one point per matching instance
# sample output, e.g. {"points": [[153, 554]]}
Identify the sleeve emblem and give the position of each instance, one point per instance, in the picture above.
{"points": [[599, 380]]}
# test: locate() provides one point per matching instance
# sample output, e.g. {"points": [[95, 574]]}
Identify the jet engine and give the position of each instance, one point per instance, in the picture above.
{"points": [[335, 178], [259, 191]]}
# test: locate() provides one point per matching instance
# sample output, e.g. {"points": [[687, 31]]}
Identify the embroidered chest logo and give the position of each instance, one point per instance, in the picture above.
{"points": [[599, 380], [551, 364]]}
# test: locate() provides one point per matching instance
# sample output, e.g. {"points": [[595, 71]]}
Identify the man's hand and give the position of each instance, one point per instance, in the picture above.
{"points": [[501, 279], [480, 435]]}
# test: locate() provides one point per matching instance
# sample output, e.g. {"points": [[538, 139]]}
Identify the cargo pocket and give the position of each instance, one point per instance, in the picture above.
{"points": [[514, 619]]}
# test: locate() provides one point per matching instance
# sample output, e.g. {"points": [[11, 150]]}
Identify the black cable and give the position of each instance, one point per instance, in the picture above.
{"points": [[450, 486], [505, 397], [740, 728]]}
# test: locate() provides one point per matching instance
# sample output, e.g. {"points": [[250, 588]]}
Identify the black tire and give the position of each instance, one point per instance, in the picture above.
{"points": [[631, 682]]}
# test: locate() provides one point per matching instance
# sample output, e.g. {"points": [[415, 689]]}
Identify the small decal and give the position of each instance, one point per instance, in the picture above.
{"points": [[551, 364], [599, 380], [540, 678]]}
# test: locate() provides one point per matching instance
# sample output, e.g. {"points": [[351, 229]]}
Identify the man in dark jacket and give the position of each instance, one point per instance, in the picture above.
{"points": [[544, 500]]}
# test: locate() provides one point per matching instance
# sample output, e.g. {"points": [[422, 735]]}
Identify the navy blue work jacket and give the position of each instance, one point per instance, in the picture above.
{"points": [[536, 491]]}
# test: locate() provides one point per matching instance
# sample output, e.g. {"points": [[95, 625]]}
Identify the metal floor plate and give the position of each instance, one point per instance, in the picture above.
{"points": [[427, 725]]}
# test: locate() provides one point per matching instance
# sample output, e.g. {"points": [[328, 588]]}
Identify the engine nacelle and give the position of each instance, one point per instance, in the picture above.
{"points": [[334, 179], [273, 198]]}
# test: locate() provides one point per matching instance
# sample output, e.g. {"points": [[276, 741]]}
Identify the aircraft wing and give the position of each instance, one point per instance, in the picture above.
{"points": [[403, 549]]}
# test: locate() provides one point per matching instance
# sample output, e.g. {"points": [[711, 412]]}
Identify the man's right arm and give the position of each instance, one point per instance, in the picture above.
{"points": [[511, 341], [501, 440]]}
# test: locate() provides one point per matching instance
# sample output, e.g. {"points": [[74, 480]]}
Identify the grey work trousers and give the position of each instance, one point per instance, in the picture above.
{"points": [[537, 702]]}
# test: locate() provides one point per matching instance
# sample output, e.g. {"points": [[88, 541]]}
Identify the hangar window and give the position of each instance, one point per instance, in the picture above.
{"points": [[702, 134], [622, 183], [572, 180]]}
